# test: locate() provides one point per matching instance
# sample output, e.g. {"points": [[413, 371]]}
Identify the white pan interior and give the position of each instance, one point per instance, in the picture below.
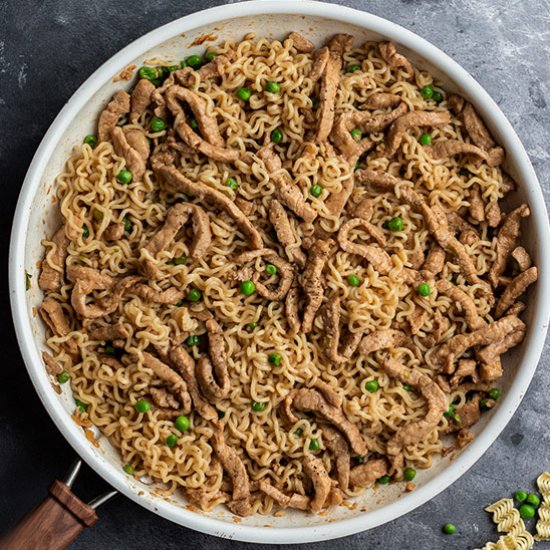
{"points": [[37, 216]]}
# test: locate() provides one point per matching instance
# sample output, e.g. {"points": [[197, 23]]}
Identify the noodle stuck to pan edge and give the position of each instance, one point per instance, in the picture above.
{"points": [[283, 274]]}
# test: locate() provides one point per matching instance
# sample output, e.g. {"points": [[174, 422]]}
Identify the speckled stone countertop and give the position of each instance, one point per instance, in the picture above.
{"points": [[48, 48]]}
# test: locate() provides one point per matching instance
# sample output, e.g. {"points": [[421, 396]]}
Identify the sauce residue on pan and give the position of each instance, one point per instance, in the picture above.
{"points": [[210, 37]]}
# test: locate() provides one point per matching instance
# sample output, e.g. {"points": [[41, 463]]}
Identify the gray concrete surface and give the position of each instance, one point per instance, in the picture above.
{"points": [[48, 48]]}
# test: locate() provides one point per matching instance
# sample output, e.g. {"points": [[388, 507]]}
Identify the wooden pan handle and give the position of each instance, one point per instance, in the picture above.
{"points": [[54, 525]]}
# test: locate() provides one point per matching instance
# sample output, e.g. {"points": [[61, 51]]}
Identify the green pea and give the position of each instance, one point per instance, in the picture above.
{"points": [[449, 529], [85, 231], [157, 125], [396, 224], [273, 87], [248, 288], [384, 480], [407, 387], [533, 500], [520, 496], [425, 139], [252, 326], [274, 359], [209, 56], [124, 176], [182, 423], [129, 469], [526, 511], [194, 295], [194, 124], [371, 386], [465, 172], [298, 432], [257, 406], [423, 289], [409, 474], [314, 445], [314, 101], [352, 68], [221, 414], [427, 91], [171, 441], [183, 64], [110, 349], [271, 269], [179, 303], [192, 340], [277, 136], [128, 225], [359, 459], [232, 184], [495, 393], [90, 140], [437, 96], [193, 61], [63, 377], [181, 260], [244, 93], [354, 280], [316, 190], [82, 407], [172, 68], [149, 73], [356, 134], [142, 406], [357, 165]]}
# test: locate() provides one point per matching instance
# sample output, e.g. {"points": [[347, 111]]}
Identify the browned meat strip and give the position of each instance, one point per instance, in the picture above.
{"points": [[285, 272], [380, 100], [436, 402], [445, 356], [506, 241], [435, 261], [109, 332], [489, 357], [378, 257], [476, 128], [296, 500], [452, 147], [203, 192], [455, 103], [493, 214], [140, 99], [86, 280], [477, 206], [366, 474], [175, 219], [291, 309], [281, 223], [336, 202], [467, 305], [363, 210], [466, 367], [313, 400], [467, 415], [340, 43], [301, 43], [109, 117], [522, 258], [52, 314], [387, 339], [233, 465], [412, 120], [287, 192], [114, 232], [52, 366], [312, 281], [185, 366], [321, 482], [134, 161], [327, 96], [247, 207], [331, 316], [515, 289], [171, 295], [212, 145], [163, 398], [395, 60], [321, 58], [53, 265], [212, 373], [336, 443]]}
